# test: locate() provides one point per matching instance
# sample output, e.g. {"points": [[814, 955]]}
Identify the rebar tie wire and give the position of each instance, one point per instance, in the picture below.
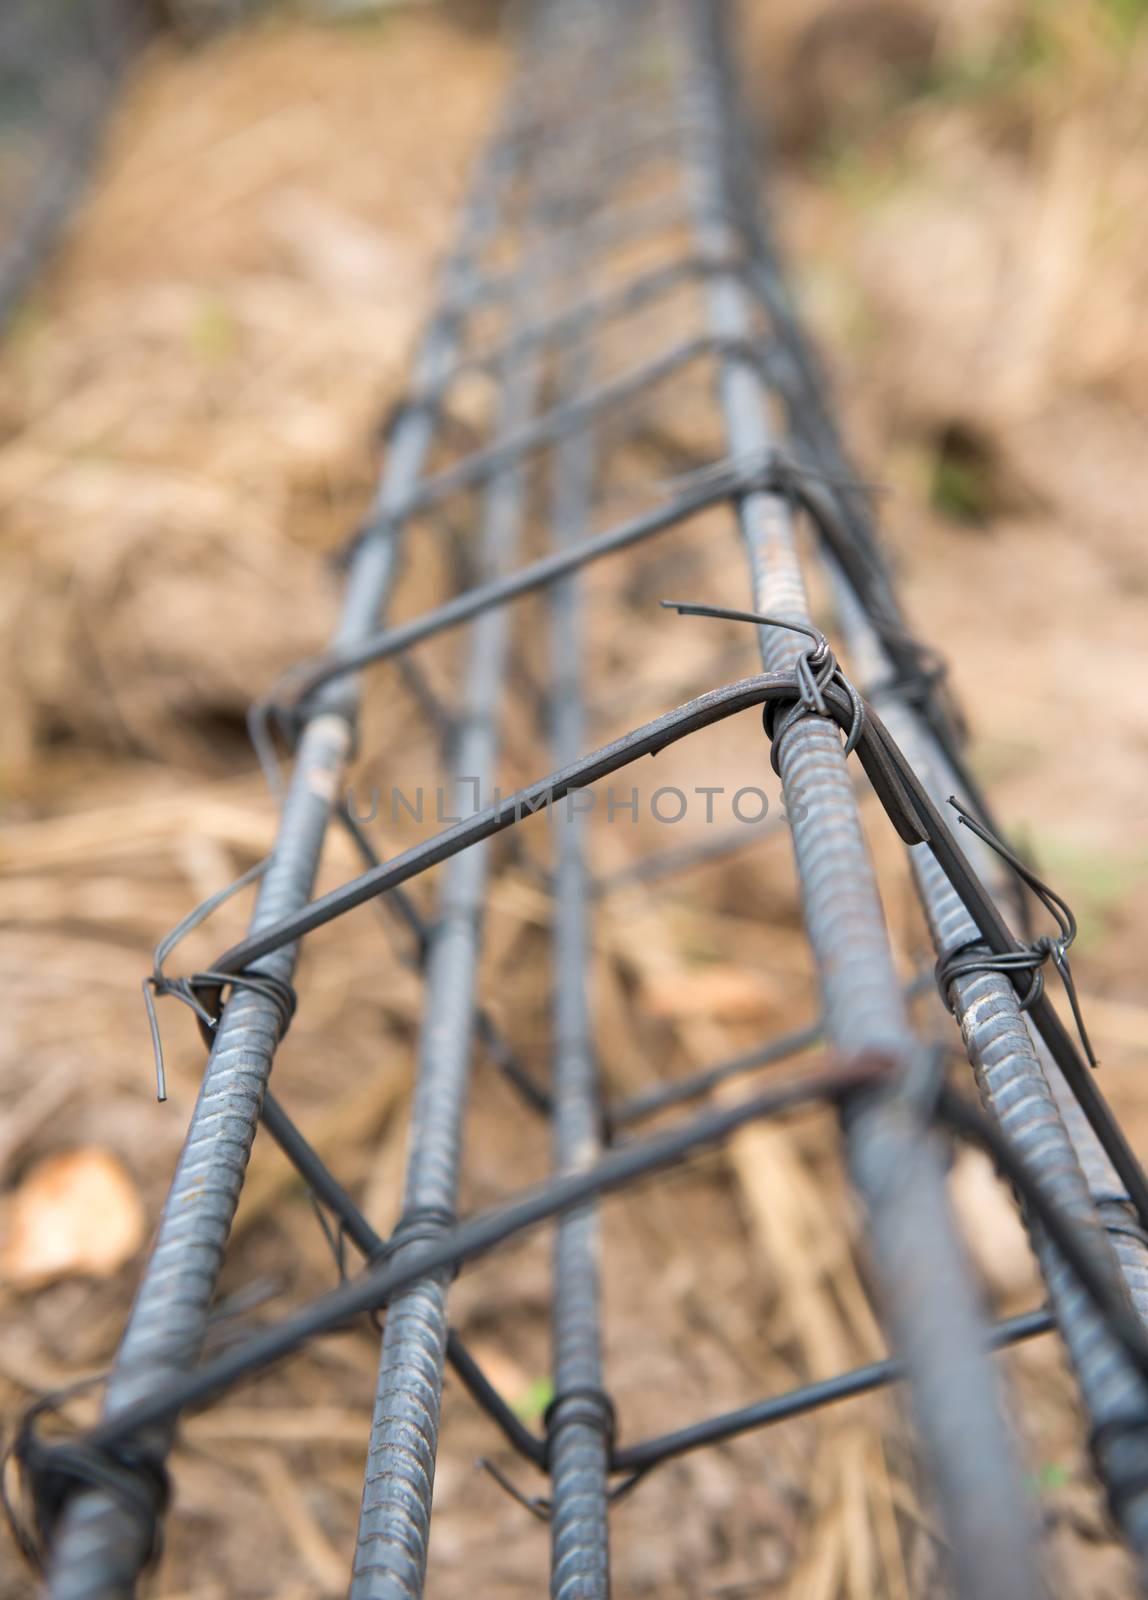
{"points": [[813, 671], [97, 1498], [965, 959], [202, 992]]}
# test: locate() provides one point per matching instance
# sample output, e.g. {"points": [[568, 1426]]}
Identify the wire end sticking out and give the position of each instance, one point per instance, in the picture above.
{"points": [[157, 983], [1048, 947], [815, 668], [147, 986], [690, 608]]}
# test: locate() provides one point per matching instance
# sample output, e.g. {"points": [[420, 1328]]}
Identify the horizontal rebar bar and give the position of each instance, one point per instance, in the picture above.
{"points": [[810, 1397]]}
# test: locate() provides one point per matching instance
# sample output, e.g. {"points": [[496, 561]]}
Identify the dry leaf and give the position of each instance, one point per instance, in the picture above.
{"points": [[78, 1212]]}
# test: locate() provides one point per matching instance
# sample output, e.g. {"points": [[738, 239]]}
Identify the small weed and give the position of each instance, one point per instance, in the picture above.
{"points": [[961, 479], [213, 333], [1051, 1476], [531, 1405], [1124, 18]]}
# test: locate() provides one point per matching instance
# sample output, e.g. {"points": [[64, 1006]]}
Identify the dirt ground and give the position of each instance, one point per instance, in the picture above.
{"points": [[188, 421]]}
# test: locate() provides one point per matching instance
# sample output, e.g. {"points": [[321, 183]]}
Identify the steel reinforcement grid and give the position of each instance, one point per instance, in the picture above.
{"points": [[618, 201]]}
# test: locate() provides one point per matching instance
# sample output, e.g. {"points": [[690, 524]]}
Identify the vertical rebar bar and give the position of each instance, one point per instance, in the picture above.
{"points": [[928, 1297], [1015, 1086], [394, 1519], [578, 1433], [102, 1544], [578, 1424]]}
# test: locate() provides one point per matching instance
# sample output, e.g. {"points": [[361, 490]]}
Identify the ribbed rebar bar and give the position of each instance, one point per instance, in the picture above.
{"points": [[1015, 1087], [102, 1547], [579, 1427], [394, 1520], [927, 1294]]}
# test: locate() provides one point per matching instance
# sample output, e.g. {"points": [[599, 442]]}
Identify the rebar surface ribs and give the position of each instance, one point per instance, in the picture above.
{"points": [[623, 131]]}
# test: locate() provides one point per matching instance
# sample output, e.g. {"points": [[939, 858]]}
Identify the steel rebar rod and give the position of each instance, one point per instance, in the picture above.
{"points": [[101, 1547], [1014, 1086], [928, 1298], [578, 1428], [394, 1519]]}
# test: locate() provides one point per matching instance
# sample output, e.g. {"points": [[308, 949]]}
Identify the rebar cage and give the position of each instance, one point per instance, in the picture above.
{"points": [[60, 63], [613, 259]]}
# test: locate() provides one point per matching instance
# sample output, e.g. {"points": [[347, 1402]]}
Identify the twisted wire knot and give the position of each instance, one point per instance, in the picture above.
{"points": [[581, 1403], [973, 957], [815, 668], [52, 1471], [417, 1225], [203, 992]]}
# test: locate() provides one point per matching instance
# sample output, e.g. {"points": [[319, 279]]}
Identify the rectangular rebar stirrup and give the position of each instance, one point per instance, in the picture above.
{"points": [[101, 1546], [648, 1452], [113, 1440], [927, 1295], [640, 1456]]}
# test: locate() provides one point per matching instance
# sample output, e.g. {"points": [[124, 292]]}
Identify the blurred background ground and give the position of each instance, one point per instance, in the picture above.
{"points": [[188, 411]]}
